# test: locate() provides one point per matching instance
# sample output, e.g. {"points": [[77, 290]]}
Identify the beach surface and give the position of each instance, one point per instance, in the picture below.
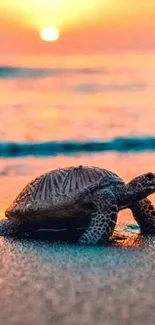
{"points": [[47, 283], [43, 283]]}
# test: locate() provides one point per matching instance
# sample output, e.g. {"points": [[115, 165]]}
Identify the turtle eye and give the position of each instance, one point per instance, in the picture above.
{"points": [[150, 176]]}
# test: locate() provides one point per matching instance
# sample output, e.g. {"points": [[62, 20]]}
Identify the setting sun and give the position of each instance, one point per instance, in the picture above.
{"points": [[49, 34]]}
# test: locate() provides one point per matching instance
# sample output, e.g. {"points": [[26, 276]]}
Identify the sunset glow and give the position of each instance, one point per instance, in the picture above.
{"points": [[118, 25], [49, 34]]}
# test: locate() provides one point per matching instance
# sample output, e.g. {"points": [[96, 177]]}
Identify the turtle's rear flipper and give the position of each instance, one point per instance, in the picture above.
{"points": [[9, 228]]}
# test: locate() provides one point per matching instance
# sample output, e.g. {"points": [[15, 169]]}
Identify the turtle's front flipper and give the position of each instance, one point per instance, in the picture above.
{"points": [[144, 213], [9, 227], [103, 219]]}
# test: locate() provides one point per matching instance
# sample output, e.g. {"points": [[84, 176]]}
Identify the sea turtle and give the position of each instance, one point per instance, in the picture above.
{"points": [[82, 202]]}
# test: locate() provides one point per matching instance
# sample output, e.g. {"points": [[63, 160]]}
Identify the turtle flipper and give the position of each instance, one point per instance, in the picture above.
{"points": [[103, 219], [9, 227], [144, 213]]}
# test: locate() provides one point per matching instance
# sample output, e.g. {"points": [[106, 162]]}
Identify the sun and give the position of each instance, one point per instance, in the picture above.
{"points": [[49, 34]]}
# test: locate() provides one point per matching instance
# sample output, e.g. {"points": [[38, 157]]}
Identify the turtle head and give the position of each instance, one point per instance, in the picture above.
{"points": [[142, 186]]}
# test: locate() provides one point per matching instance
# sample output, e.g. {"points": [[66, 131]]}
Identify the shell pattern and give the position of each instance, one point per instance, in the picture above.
{"points": [[54, 187]]}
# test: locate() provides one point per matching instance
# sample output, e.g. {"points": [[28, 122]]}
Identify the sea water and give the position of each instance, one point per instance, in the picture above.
{"points": [[90, 110]]}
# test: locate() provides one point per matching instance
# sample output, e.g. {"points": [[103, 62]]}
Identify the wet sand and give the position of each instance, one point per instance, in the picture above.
{"points": [[43, 283]]}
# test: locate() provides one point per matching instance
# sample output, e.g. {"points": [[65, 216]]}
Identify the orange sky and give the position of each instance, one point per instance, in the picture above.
{"points": [[86, 26]]}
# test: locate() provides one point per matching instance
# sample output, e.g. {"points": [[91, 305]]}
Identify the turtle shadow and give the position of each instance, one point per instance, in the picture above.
{"points": [[125, 236], [120, 238]]}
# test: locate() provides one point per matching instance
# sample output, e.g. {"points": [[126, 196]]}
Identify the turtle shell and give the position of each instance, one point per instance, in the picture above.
{"points": [[47, 195]]}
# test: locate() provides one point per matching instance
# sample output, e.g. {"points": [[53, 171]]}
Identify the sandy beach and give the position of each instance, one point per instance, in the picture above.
{"points": [[43, 282]]}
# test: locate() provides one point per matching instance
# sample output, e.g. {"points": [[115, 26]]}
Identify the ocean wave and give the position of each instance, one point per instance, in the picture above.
{"points": [[20, 72], [96, 88], [54, 148]]}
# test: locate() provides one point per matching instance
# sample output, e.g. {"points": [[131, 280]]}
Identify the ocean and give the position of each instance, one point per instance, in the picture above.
{"points": [[90, 110]]}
